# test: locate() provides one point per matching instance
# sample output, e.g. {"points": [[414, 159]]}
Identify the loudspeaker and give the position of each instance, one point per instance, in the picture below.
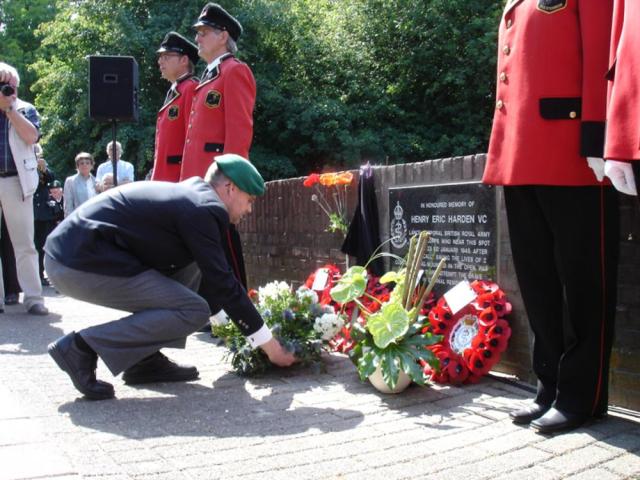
{"points": [[113, 88]]}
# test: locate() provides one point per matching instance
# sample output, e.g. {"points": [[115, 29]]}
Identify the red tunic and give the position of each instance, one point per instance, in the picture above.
{"points": [[623, 110], [221, 119], [551, 92], [171, 126]]}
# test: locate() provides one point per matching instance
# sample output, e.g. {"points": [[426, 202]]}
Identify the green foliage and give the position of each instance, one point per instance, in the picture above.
{"points": [[339, 83], [18, 44]]}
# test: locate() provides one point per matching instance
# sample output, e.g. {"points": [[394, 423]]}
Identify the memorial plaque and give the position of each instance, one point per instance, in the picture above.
{"points": [[461, 219]]}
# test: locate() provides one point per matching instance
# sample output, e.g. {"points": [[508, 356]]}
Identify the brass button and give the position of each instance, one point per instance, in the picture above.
{"points": [[506, 50], [573, 114], [499, 104], [503, 77], [509, 23]]}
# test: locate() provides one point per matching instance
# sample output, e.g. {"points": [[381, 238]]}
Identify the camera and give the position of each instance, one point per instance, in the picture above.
{"points": [[6, 89]]}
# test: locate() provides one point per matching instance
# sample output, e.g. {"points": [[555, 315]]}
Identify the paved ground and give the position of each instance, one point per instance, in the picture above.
{"points": [[293, 424]]}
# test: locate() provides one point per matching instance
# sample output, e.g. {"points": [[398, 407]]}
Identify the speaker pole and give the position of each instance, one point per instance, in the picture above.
{"points": [[114, 151]]}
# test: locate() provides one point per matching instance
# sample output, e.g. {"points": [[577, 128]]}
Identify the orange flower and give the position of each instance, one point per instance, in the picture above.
{"points": [[328, 179], [344, 178]]}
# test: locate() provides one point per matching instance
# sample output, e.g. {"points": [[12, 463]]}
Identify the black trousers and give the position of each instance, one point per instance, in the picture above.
{"points": [[42, 229], [565, 243], [8, 258]]}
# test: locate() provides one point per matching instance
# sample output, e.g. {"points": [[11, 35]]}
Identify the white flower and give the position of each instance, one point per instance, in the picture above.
{"points": [[328, 325], [273, 290], [303, 293]]}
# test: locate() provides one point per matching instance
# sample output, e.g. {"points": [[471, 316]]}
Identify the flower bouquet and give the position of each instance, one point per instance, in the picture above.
{"points": [[333, 198], [296, 319], [392, 341]]}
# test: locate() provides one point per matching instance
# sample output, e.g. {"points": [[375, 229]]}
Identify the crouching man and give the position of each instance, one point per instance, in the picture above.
{"points": [[143, 248]]}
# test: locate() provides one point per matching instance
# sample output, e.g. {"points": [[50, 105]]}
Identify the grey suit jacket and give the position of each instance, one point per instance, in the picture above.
{"points": [[75, 192]]}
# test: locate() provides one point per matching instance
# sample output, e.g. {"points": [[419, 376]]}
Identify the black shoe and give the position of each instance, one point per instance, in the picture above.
{"points": [[527, 414], [81, 368], [158, 368], [11, 299], [38, 309], [556, 420]]}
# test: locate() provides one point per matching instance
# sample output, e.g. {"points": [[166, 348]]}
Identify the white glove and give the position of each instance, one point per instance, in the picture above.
{"points": [[621, 175], [597, 165]]}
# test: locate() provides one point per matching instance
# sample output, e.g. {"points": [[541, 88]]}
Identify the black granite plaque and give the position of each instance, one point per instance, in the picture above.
{"points": [[461, 219]]}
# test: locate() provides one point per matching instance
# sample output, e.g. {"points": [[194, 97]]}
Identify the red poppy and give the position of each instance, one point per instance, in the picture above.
{"points": [[311, 180]]}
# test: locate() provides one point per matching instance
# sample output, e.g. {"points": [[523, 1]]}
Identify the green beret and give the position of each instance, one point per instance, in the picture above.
{"points": [[241, 172]]}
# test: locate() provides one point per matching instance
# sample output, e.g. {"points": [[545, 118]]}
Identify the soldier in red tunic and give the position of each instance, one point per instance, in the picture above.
{"points": [[548, 130], [622, 146], [176, 59], [221, 119]]}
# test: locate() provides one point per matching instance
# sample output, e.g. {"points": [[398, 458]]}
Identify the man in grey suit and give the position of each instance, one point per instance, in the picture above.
{"points": [[143, 248], [80, 187]]}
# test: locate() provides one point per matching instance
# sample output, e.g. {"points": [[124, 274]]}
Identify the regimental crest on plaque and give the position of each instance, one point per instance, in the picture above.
{"points": [[551, 6], [398, 229], [213, 99], [173, 112]]}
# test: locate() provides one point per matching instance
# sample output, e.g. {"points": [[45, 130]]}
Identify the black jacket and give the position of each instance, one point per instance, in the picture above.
{"points": [[161, 226]]}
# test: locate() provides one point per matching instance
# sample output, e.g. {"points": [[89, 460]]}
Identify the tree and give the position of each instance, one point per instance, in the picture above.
{"points": [[339, 82], [19, 19]]}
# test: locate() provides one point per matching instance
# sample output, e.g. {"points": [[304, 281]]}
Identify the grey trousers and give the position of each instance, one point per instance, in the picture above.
{"points": [[164, 310]]}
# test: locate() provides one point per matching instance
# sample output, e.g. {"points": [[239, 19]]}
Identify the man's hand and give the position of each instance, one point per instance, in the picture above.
{"points": [[597, 165], [277, 354], [621, 175]]}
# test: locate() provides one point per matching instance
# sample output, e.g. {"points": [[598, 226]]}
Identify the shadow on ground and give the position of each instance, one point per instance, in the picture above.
{"points": [[227, 409]]}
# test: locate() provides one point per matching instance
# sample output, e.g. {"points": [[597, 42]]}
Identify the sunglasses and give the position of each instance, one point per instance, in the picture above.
{"points": [[85, 162]]}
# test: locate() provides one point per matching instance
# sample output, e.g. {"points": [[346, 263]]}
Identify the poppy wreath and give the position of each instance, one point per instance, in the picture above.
{"points": [[342, 342], [472, 339]]}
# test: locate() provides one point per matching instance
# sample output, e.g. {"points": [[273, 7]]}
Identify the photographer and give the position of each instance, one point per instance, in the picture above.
{"points": [[19, 131]]}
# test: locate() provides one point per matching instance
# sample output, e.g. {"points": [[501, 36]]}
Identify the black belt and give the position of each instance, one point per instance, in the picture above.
{"points": [[8, 174]]}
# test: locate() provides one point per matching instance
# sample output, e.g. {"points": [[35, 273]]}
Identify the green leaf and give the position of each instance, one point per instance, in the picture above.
{"points": [[367, 364], [390, 277], [389, 367], [351, 286], [411, 367], [388, 324]]}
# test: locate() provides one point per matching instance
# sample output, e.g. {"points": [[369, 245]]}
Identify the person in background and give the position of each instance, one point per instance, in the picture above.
{"points": [[82, 186], [104, 174], [43, 215], [56, 201], [177, 57], [546, 149], [622, 144], [19, 132], [143, 248], [221, 119]]}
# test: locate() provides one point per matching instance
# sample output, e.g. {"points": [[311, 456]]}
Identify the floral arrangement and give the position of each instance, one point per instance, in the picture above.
{"points": [[333, 198], [473, 338], [375, 295], [394, 337], [297, 320]]}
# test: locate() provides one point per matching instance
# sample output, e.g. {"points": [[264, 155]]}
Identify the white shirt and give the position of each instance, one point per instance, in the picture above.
{"points": [[125, 171], [215, 63], [90, 186]]}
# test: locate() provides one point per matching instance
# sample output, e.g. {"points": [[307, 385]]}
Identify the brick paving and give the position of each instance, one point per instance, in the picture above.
{"points": [[289, 424]]}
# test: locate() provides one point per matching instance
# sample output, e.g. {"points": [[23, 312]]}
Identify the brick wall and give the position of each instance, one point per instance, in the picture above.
{"points": [[284, 239]]}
